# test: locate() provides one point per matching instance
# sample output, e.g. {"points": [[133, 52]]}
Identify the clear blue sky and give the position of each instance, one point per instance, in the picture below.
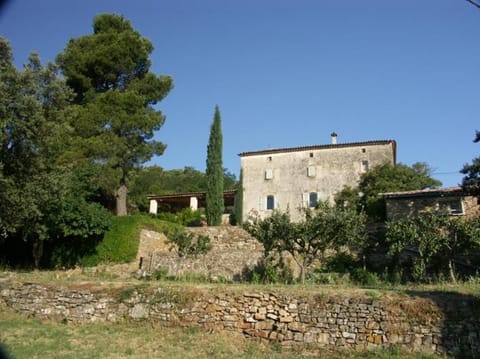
{"points": [[289, 72]]}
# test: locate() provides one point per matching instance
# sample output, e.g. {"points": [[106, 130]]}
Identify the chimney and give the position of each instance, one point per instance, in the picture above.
{"points": [[334, 138]]}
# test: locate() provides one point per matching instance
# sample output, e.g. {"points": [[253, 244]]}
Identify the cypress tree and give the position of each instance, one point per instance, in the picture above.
{"points": [[214, 198]]}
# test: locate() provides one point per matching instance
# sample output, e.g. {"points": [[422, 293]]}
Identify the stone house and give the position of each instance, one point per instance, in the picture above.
{"points": [[299, 177], [454, 200]]}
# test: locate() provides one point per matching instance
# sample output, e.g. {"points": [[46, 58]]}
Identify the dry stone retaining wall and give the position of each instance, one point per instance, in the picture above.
{"points": [[434, 323], [234, 252]]}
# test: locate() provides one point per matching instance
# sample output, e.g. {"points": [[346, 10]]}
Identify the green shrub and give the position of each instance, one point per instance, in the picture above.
{"points": [[188, 244], [363, 277], [341, 262], [120, 243], [185, 217], [329, 278], [160, 273], [269, 271]]}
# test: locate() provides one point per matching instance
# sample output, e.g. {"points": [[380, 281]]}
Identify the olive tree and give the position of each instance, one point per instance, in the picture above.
{"points": [[326, 227]]}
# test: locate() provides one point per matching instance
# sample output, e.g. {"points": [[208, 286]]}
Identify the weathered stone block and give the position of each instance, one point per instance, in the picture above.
{"points": [[371, 324], [323, 338], [374, 338], [259, 316], [265, 325], [139, 311], [272, 316], [348, 335], [297, 327], [298, 337], [286, 319]]}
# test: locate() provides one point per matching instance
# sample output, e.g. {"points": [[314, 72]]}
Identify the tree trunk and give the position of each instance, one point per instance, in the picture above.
{"points": [[302, 273], [37, 251], [452, 271], [121, 198]]}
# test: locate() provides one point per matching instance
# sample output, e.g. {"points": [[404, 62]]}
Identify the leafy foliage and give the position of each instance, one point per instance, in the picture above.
{"points": [[115, 92], [324, 228], [214, 198], [437, 239], [156, 180], [471, 181], [40, 202], [188, 244], [385, 178], [120, 243], [185, 217]]}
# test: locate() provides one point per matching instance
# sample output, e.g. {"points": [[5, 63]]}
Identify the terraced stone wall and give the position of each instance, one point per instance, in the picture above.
{"points": [[420, 321]]}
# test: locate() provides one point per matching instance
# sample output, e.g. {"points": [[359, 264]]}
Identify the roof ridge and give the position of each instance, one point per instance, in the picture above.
{"points": [[312, 147]]}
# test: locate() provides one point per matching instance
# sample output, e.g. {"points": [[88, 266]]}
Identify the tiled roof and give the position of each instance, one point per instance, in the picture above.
{"points": [[431, 192], [318, 147]]}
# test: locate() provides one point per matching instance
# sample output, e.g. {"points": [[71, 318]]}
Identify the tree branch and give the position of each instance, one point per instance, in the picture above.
{"points": [[474, 2]]}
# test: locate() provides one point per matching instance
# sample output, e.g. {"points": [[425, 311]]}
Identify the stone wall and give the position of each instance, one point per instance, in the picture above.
{"points": [[422, 321], [234, 253], [409, 207], [290, 175]]}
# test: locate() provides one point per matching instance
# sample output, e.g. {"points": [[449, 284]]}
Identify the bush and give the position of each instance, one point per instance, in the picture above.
{"points": [[185, 217], [188, 244], [269, 271], [120, 243], [341, 262], [160, 273], [362, 277]]}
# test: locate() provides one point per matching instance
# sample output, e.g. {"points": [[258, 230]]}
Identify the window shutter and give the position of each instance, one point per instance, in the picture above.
{"points": [[305, 198], [312, 199], [271, 202], [311, 171], [268, 174], [261, 203]]}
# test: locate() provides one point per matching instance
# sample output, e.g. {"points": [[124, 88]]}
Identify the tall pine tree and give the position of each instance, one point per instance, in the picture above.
{"points": [[214, 198], [116, 94]]}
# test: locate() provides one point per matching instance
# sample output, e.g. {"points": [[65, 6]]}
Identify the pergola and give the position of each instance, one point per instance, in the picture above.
{"points": [[194, 200]]}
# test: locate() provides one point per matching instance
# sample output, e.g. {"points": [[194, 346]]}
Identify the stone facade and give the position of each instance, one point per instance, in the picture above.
{"points": [[454, 200], [233, 254], [430, 322], [293, 178]]}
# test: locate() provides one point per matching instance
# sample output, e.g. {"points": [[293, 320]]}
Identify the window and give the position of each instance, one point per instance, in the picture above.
{"points": [[311, 154], [311, 171], [270, 202], [312, 199], [309, 199], [364, 166], [268, 174], [452, 206]]}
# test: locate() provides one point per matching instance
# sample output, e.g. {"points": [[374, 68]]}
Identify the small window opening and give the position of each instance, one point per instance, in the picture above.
{"points": [[364, 166], [270, 202], [311, 154], [313, 199], [268, 174]]}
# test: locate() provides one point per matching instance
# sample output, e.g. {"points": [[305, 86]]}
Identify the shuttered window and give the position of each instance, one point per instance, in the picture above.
{"points": [[270, 202]]}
